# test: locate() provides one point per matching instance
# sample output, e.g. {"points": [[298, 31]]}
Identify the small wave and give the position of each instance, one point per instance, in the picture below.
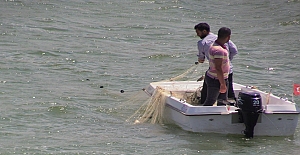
{"points": [[58, 109], [294, 22], [54, 29], [160, 56]]}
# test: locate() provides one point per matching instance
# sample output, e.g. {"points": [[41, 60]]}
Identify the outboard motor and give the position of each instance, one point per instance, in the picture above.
{"points": [[250, 106]]}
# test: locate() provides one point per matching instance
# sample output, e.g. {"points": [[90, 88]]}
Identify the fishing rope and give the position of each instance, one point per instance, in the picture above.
{"points": [[135, 98], [193, 68]]}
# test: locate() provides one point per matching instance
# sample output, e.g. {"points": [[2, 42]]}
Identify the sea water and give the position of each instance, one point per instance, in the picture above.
{"points": [[72, 71]]}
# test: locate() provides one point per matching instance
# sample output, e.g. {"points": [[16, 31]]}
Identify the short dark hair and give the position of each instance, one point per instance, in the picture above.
{"points": [[224, 32], [202, 26]]}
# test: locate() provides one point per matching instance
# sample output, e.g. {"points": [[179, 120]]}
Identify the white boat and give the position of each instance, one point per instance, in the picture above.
{"points": [[273, 116]]}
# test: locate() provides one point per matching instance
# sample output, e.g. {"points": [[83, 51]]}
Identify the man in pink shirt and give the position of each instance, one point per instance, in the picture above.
{"points": [[216, 76]]}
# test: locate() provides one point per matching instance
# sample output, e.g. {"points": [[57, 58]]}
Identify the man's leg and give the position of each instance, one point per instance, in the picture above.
{"points": [[223, 96], [230, 87], [213, 91], [203, 92]]}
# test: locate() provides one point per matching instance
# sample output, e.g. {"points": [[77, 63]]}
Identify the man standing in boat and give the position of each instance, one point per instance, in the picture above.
{"points": [[207, 38], [216, 77]]}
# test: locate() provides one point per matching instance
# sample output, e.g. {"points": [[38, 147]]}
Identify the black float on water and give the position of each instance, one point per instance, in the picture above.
{"points": [[250, 106]]}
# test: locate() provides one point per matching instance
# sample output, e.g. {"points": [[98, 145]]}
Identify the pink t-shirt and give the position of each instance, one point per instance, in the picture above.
{"points": [[216, 51]]}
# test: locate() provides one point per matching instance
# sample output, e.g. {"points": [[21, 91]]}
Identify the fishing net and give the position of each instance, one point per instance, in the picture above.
{"points": [[153, 109]]}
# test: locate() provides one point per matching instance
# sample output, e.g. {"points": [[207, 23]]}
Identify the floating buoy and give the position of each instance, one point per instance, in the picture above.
{"points": [[122, 91], [101, 86]]}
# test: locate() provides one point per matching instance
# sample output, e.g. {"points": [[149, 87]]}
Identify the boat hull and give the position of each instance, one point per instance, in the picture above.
{"points": [[229, 123]]}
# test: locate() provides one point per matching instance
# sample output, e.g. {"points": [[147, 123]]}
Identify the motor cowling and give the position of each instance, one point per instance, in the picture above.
{"points": [[250, 101]]}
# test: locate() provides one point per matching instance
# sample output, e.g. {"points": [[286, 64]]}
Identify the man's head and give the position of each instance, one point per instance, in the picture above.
{"points": [[224, 34], [202, 30]]}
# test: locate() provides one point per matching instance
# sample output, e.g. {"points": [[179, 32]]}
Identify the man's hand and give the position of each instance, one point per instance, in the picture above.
{"points": [[223, 88], [200, 61]]}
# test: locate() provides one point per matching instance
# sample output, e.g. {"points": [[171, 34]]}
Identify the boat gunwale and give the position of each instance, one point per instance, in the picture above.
{"points": [[265, 111]]}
